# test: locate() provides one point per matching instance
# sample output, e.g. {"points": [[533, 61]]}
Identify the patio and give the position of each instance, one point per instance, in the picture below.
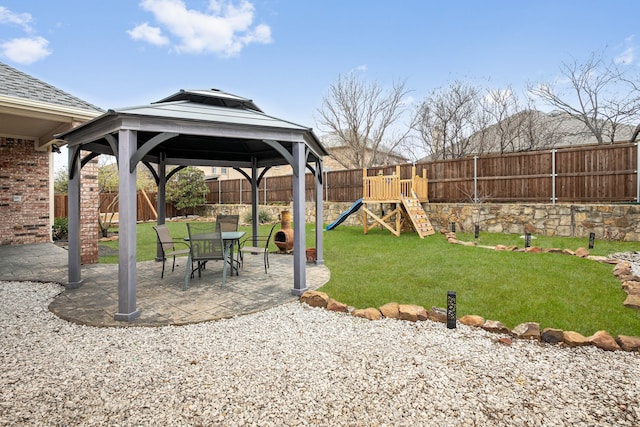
{"points": [[161, 301]]}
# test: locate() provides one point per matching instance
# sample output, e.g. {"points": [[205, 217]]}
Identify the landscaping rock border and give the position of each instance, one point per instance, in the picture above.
{"points": [[624, 271]]}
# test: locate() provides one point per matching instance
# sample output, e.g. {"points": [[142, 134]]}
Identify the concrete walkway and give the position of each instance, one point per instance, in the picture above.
{"points": [[161, 301]]}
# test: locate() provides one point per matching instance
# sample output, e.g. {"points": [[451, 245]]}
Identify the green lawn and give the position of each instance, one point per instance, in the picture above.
{"points": [[557, 291]]}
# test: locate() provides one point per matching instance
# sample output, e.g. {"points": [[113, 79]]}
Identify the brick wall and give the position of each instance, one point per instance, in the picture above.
{"points": [[89, 204], [25, 201], [24, 193]]}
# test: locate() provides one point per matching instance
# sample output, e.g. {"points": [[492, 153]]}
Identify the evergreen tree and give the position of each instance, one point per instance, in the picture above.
{"points": [[187, 189]]}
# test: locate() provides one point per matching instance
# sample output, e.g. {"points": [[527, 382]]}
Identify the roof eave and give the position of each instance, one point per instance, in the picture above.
{"points": [[29, 107]]}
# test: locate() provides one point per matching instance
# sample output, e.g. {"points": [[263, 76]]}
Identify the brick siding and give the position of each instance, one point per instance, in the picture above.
{"points": [[89, 203], [24, 193], [25, 202]]}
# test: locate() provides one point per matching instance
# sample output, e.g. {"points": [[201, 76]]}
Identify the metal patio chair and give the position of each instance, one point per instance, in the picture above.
{"points": [[257, 245], [205, 246], [168, 245]]}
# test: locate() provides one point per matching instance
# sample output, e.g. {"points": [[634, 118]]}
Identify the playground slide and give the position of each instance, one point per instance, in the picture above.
{"points": [[356, 205]]}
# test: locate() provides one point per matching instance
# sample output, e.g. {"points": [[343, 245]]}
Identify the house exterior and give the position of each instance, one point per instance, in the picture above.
{"points": [[338, 157], [31, 113], [531, 130]]}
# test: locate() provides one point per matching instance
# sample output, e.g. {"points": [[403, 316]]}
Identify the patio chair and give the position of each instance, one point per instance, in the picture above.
{"points": [[168, 246], [257, 245], [205, 246], [229, 223]]}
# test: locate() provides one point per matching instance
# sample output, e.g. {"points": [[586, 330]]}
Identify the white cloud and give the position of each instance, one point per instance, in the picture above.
{"points": [[25, 50], [628, 55], [362, 68], [225, 28], [149, 34], [22, 19]]}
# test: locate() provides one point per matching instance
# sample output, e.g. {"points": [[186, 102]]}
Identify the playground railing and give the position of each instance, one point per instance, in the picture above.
{"points": [[392, 188], [383, 187], [421, 187]]}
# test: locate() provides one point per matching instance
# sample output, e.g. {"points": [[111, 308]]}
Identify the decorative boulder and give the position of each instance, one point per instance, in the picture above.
{"points": [[632, 301], [390, 310], [552, 336], [631, 287], [368, 313], [527, 331], [315, 299], [574, 339], [412, 312], [438, 314], [629, 343], [582, 252], [495, 326], [553, 250], [604, 341], [472, 320], [334, 305]]}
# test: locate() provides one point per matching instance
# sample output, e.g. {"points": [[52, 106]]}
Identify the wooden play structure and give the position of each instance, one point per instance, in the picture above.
{"points": [[405, 197]]}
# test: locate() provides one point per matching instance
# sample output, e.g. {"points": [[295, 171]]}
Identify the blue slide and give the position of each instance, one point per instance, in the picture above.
{"points": [[356, 205]]}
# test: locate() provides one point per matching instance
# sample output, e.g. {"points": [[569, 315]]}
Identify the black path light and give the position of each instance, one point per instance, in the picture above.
{"points": [[477, 231], [527, 240], [592, 240], [451, 310], [453, 227]]}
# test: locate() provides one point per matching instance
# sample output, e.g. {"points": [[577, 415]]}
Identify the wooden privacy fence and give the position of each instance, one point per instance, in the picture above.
{"points": [[585, 174], [146, 205]]}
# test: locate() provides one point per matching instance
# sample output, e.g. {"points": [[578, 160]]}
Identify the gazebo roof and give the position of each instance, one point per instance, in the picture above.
{"points": [[200, 128], [206, 127]]}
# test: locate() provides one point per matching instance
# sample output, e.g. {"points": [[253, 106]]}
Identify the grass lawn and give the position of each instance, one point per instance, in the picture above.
{"points": [[557, 291]]}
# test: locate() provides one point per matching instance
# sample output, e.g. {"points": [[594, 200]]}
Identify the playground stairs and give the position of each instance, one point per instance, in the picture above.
{"points": [[417, 215]]}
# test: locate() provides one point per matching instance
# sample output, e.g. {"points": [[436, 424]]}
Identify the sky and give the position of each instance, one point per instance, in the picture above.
{"points": [[285, 54]]}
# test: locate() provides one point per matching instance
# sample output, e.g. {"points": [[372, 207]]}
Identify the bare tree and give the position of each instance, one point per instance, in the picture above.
{"points": [[363, 118], [502, 107], [447, 118], [597, 93], [515, 128]]}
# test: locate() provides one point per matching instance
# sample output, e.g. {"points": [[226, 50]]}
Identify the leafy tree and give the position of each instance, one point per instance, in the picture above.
{"points": [[61, 181], [187, 189]]}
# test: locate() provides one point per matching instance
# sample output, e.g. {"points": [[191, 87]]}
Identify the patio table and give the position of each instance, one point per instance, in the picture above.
{"points": [[230, 238]]}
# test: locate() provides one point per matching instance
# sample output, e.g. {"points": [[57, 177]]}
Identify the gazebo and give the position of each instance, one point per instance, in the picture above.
{"points": [[198, 128]]}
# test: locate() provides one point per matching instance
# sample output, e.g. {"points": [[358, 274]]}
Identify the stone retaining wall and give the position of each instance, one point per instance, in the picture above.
{"points": [[607, 221]]}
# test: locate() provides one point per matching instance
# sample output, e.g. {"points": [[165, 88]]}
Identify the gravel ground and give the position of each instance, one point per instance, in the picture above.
{"points": [[296, 365]]}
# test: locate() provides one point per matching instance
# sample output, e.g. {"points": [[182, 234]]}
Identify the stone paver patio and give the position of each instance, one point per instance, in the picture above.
{"points": [[161, 301]]}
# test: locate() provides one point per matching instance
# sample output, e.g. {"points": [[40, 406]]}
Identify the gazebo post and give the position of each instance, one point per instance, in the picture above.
{"points": [[161, 205], [75, 275], [299, 237], [255, 200], [127, 227], [319, 213]]}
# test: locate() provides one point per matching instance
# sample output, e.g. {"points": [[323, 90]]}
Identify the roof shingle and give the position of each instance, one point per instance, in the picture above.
{"points": [[20, 85]]}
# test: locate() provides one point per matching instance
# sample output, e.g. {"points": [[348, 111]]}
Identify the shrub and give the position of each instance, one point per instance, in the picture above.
{"points": [[60, 228], [263, 217]]}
